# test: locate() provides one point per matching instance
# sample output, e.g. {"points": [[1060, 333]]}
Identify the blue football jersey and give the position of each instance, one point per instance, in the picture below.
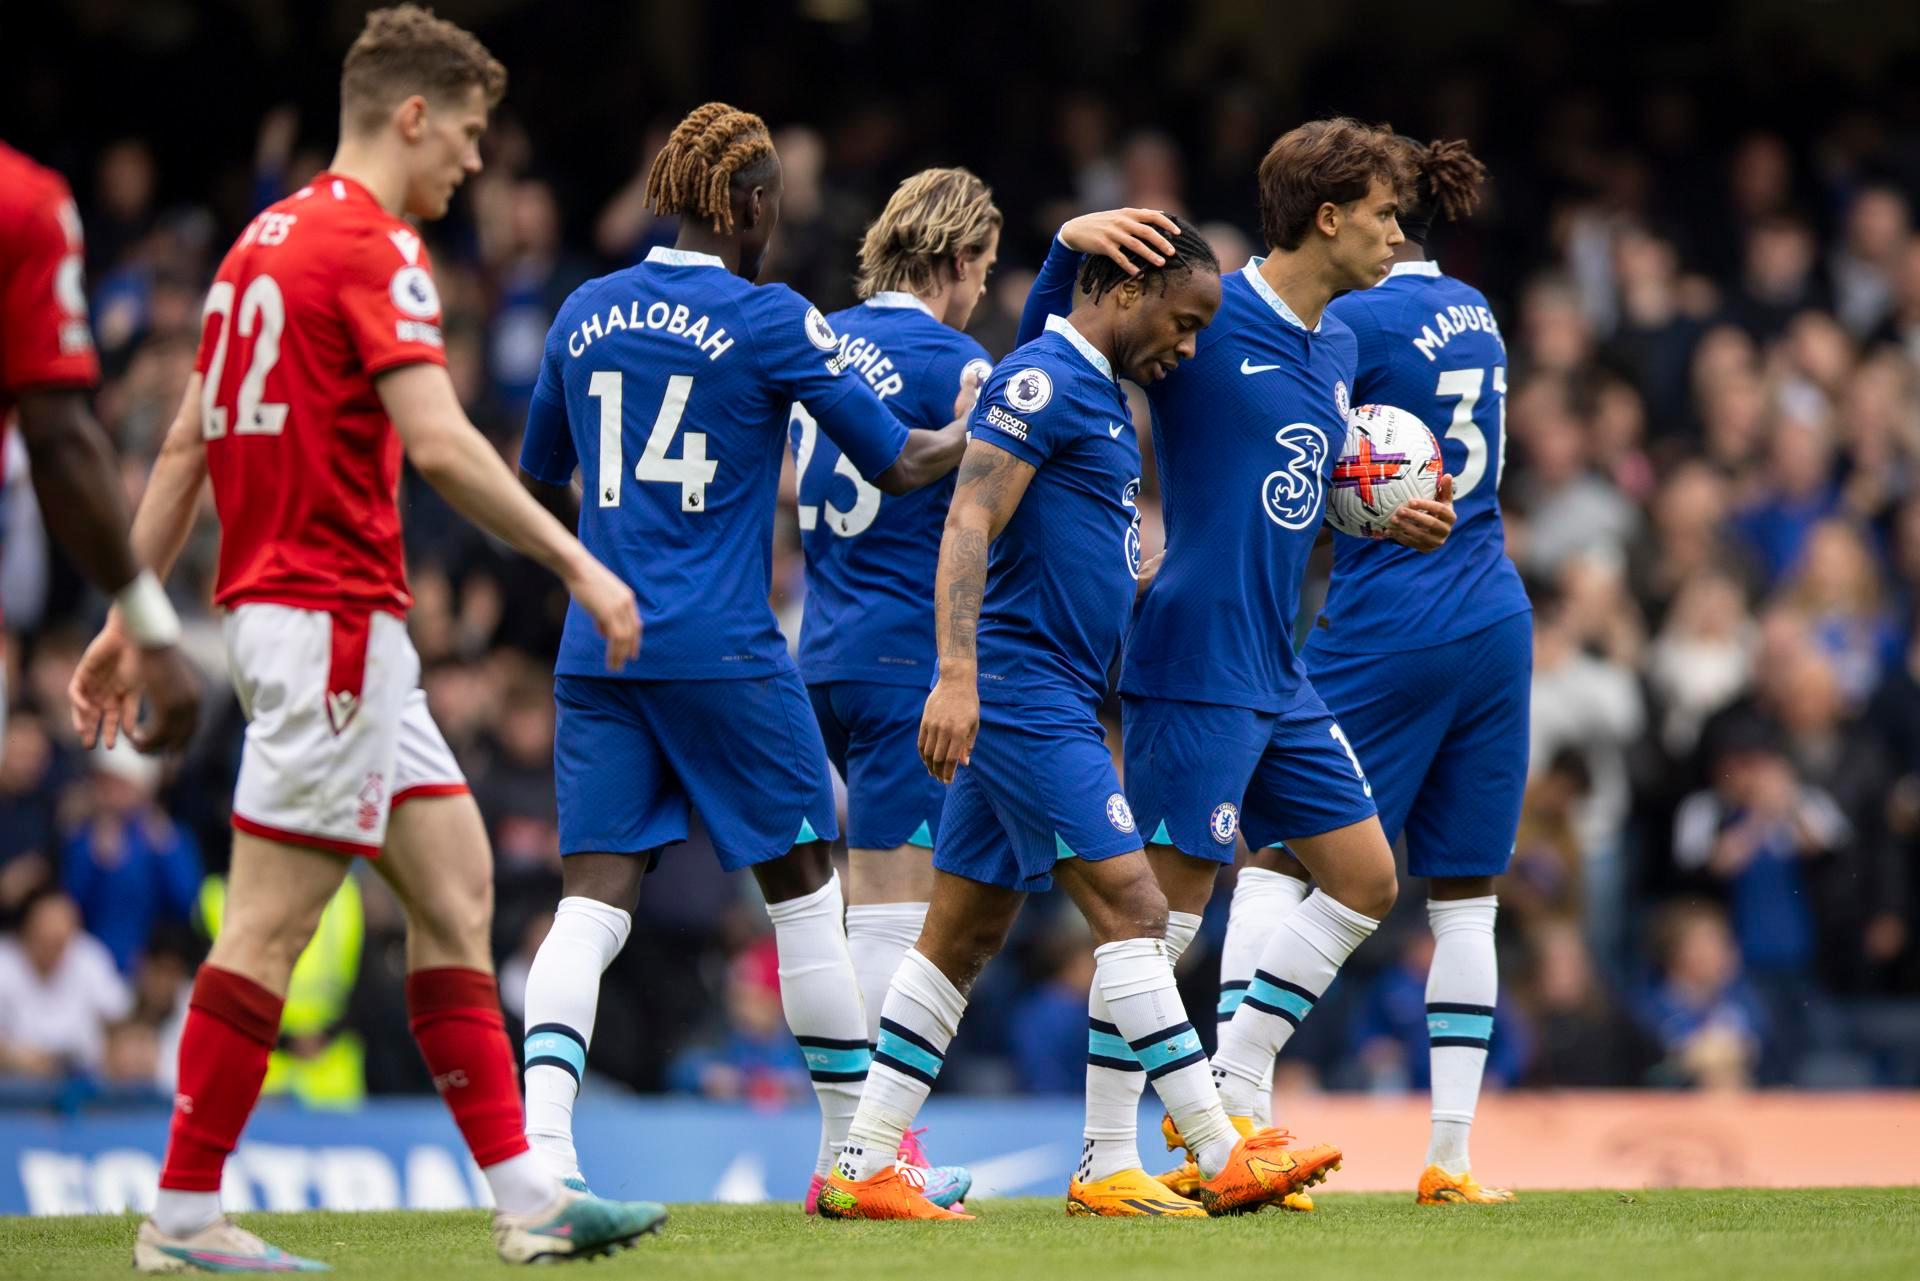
{"points": [[1429, 345], [870, 556], [669, 384], [1245, 436], [1061, 575]]}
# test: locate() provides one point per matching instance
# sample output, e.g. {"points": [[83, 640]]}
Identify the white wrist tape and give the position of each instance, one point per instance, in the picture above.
{"points": [[147, 613]]}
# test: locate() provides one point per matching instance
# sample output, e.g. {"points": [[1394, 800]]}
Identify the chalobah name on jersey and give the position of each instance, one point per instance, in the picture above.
{"points": [[865, 356], [671, 318], [1450, 324]]}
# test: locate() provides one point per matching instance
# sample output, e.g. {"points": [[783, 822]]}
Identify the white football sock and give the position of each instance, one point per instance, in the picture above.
{"points": [[1462, 987], [1297, 965], [1137, 982], [521, 1184], [878, 935], [181, 1214], [822, 1004], [1115, 1078], [563, 994], [1261, 900], [917, 1023]]}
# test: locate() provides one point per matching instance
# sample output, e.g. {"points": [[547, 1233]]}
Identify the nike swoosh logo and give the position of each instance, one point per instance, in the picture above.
{"points": [[1247, 368], [1115, 430]]}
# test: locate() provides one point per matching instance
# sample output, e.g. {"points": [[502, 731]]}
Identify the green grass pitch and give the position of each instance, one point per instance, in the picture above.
{"points": [[1862, 1234]]}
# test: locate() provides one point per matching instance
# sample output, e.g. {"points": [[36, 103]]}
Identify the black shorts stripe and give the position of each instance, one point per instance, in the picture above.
{"points": [[1455, 1007], [828, 1043], [551, 1060], [904, 1069], [912, 1037], [1285, 986], [1118, 1065], [558, 1029], [1164, 1034], [1275, 1010], [1461, 1042], [1191, 1059]]}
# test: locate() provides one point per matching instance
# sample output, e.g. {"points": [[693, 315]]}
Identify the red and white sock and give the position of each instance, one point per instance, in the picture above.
{"points": [[455, 1016], [232, 1024]]}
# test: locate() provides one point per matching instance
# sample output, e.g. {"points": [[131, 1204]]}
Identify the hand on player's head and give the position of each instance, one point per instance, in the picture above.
{"points": [[1124, 235]]}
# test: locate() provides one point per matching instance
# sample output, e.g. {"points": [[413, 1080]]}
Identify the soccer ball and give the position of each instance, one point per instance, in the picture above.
{"points": [[1389, 457]]}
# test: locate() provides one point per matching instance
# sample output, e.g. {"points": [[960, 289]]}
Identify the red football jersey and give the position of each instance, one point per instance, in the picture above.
{"points": [[44, 339], [323, 291]]}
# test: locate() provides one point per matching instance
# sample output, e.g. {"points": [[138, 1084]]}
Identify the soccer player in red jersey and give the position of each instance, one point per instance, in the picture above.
{"points": [[47, 365], [321, 359]]}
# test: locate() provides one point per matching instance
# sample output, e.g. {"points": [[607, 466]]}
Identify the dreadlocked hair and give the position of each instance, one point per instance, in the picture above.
{"points": [[710, 152], [1449, 179], [1099, 275]]}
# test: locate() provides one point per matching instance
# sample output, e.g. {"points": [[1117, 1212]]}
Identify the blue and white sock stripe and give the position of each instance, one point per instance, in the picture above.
{"points": [[1108, 1049], [907, 1052], [1231, 995], [1168, 1050], [831, 1060], [1278, 997], [556, 1045], [1451, 1023]]}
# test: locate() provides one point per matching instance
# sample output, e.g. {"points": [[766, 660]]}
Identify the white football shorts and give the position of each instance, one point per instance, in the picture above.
{"points": [[338, 731]]}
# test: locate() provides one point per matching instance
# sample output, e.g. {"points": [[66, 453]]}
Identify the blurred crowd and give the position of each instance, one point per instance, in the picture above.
{"points": [[1713, 492]]}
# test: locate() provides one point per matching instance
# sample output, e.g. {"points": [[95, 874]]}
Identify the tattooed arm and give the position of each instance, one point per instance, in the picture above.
{"points": [[992, 482]]}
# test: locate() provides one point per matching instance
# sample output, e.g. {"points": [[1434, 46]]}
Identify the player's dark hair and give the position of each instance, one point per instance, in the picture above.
{"points": [[716, 150], [405, 50], [1332, 161], [1447, 181], [1191, 252]]}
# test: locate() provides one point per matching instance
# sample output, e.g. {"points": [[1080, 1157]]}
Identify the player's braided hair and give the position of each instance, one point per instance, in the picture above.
{"points": [[1191, 252], [710, 152], [1447, 181]]}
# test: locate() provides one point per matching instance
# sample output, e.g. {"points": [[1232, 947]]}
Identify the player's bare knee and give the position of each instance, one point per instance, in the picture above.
{"points": [[260, 948], [1133, 908], [455, 914], [1372, 892], [803, 870], [613, 879]]}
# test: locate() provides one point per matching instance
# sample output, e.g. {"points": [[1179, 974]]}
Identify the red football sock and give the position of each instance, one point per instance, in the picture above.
{"points": [[455, 1016], [232, 1024]]}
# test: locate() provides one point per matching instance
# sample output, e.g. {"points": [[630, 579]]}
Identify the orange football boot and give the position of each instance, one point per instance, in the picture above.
{"points": [[1186, 1180], [1438, 1187], [893, 1193], [1263, 1170], [1128, 1194]]}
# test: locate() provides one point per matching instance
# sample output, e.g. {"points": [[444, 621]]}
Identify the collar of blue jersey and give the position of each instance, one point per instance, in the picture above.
{"points": [[1260, 286], [1422, 267], [683, 257], [898, 298], [1059, 325]]}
